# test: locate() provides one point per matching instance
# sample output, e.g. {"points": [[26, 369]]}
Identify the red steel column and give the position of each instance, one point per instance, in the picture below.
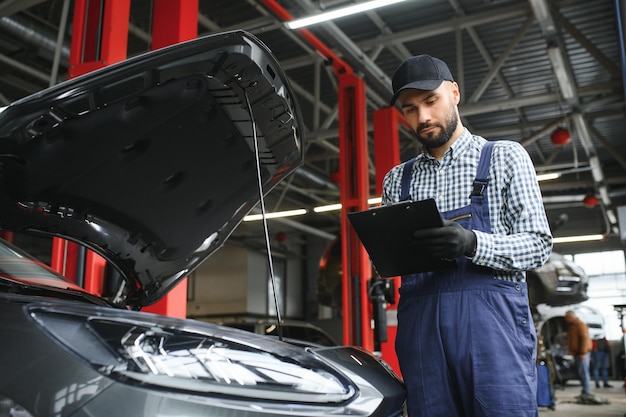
{"points": [[354, 192], [7, 235], [386, 143], [173, 21], [99, 34], [386, 156], [99, 38]]}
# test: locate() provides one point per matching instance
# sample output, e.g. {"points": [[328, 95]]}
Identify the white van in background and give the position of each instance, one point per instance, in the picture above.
{"points": [[552, 330]]}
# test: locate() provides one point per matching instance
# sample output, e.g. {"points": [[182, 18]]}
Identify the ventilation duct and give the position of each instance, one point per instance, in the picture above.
{"points": [[27, 31]]}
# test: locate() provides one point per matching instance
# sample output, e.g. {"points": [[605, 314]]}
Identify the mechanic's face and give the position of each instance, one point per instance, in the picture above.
{"points": [[432, 115]]}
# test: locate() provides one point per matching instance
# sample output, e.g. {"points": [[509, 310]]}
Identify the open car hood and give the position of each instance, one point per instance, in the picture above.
{"points": [[151, 162]]}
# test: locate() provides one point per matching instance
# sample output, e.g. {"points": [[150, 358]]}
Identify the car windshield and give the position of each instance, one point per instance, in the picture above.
{"points": [[19, 267]]}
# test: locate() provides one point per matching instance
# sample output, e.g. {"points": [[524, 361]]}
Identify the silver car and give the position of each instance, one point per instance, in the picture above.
{"points": [[106, 160]]}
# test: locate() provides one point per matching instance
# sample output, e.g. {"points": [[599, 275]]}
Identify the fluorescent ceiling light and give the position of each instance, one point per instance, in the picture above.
{"points": [[277, 214], [548, 176], [344, 11], [298, 212], [557, 199], [329, 207], [582, 238], [335, 207]]}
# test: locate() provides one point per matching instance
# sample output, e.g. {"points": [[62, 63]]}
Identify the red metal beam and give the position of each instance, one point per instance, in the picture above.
{"points": [[99, 34], [174, 21], [94, 273], [7, 235], [354, 193], [99, 38], [64, 258], [386, 156], [386, 142]]}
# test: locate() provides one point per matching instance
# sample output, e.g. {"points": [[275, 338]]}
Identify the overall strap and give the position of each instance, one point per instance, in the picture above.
{"points": [[479, 200], [482, 173], [407, 167]]}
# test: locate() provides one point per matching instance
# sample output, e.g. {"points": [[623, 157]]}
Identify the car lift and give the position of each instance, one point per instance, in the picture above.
{"points": [[99, 38], [363, 322], [354, 189], [100, 30]]}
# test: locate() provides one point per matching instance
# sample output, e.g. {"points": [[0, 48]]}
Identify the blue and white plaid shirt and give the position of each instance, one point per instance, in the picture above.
{"points": [[520, 236]]}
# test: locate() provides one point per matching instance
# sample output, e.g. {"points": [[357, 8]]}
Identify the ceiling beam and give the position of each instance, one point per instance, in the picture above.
{"points": [[9, 7], [567, 83]]}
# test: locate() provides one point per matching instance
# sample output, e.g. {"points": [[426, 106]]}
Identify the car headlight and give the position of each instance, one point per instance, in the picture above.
{"points": [[163, 352]]}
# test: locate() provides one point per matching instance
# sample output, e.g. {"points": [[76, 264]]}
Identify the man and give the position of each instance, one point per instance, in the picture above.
{"points": [[600, 355], [579, 345], [466, 342]]}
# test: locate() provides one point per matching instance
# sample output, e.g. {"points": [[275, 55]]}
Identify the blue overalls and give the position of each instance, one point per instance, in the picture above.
{"points": [[466, 341]]}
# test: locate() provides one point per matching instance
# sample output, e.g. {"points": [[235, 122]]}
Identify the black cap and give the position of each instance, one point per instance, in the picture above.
{"points": [[421, 72]]}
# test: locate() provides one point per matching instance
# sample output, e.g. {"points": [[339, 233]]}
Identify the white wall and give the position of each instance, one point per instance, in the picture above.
{"points": [[604, 292], [295, 291], [220, 283], [234, 280], [257, 277], [607, 285]]}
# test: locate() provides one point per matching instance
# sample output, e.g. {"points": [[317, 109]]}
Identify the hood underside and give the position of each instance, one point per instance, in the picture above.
{"points": [[151, 162]]}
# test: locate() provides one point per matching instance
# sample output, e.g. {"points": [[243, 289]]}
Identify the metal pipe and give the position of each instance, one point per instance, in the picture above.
{"points": [[27, 31], [620, 14]]}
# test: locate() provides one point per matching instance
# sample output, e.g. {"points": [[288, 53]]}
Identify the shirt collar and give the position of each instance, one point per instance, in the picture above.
{"points": [[461, 145], [458, 148]]}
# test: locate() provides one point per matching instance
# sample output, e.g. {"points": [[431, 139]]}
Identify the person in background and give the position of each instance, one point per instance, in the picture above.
{"points": [[466, 342], [600, 355], [579, 345]]}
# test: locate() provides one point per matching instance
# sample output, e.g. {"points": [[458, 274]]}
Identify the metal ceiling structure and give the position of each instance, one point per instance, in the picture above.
{"points": [[525, 68]]}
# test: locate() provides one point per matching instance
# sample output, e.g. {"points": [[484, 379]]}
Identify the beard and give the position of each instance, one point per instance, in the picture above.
{"points": [[432, 141]]}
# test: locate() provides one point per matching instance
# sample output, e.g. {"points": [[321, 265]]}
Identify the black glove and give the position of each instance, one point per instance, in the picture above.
{"points": [[447, 242]]}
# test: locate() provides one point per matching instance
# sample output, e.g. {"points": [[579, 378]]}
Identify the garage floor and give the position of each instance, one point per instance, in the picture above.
{"points": [[566, 405]]}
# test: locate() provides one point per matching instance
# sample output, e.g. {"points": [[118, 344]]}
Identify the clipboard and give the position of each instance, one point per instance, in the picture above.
{"points": [[387, 234]]}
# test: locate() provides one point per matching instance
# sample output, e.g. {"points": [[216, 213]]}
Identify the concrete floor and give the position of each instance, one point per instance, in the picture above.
{"points": [[566, 405]]}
